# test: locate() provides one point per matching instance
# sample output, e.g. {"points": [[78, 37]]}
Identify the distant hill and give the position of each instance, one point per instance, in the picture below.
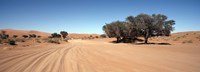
{"points": [[12, 32], [180, 37]]}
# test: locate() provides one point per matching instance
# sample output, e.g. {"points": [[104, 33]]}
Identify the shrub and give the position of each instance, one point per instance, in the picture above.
{"points": [[96, 36], [15, 36], [25, 36], [55, 35], [39, 36], [20, 40], [190, 41], [103, 36], [64, 34], [66, 40], [12, 42], [198, 37], [187, 41], [32, 36], [38, 41], [54, 41], [175, 39]]}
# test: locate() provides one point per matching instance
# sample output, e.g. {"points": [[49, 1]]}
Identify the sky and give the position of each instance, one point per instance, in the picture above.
{"points": [[88, 16]]}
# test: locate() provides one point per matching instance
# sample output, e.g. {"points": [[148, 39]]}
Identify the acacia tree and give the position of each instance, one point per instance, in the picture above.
{"points": [[115, 29], [55, 35], [64, 34], [142, 25], [3, 34], [153, 25]]}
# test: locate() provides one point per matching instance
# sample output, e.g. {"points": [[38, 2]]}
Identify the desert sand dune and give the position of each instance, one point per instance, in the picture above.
{"points": [[101, 56]]}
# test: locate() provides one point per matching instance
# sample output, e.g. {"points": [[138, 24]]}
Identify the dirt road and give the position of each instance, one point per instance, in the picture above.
{"points": [[101, 56]]}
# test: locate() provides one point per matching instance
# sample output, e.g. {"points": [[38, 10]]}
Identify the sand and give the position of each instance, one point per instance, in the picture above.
{"points": [[101, 56]]}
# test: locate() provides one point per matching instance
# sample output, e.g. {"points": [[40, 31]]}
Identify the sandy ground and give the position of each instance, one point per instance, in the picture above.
{"points": [[101, 56]]}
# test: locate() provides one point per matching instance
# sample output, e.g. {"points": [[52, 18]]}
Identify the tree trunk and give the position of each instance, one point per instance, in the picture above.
{"points": [[146, 36], [146, 40], [62, 37], [118, 38]]}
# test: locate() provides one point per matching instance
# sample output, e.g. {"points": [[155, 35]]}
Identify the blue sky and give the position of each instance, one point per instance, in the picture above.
{"points": [[88, 16]]}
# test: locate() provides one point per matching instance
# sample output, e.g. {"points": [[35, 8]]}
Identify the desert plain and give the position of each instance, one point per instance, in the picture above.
{"points": [[178, 53]]}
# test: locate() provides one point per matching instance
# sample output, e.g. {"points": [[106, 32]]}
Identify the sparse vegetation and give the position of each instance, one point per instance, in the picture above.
{"points": [[15, 36], [3, 35], [0, 41], [63, 34], [12, 42], [32, 35], [55, 35], [25, 36], [56, 41], [20, 40], [39, 36], [103, 36], [187, 41], [198, 37]]}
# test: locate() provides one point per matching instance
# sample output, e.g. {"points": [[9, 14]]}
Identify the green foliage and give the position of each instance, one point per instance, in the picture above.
{"points": [[141, 25], [55, 35], [115, 29], [25, 36], [103, 36], [32, 36], [39, 36], [3, 35], [66, 40], [64, 34], [20, 40], [54, 41], [15, 36], [11, 42], [187, 41]]}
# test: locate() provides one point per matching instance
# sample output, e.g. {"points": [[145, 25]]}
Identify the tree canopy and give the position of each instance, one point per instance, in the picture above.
{"points": [[142, 25]]}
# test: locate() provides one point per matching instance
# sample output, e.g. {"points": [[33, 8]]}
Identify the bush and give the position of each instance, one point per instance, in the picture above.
{"points": [[38, 36], [187, 41], [54, 41], [198, 37], [66, 40], [15, 36], [103, 36], [25, 36], [20, 40], [38, 41], [96, 36], [12, 42]]}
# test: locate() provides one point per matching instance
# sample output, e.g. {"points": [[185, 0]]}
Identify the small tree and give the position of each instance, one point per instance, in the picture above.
{"points": [[38, 36], [55, 35], [63, 34], [12, 42], [15, 36], [3, 35], [103, 36], [25, 36]]}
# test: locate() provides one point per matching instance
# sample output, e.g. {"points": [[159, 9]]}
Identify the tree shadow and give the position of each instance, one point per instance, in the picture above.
{"points": [[141, 43], [138, 41], [152, 44], [127, 41]]}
